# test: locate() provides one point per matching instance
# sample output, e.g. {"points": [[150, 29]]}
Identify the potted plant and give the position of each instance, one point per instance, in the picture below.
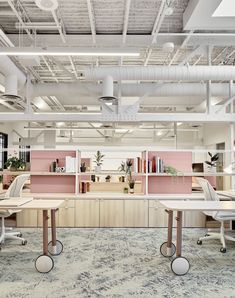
{"points": [[171, 170], [83, 167], [125, 190], [98, 160], [213, 160], [14, 163], [131, 185], [122, 168], [107, 178], [128, 167]]}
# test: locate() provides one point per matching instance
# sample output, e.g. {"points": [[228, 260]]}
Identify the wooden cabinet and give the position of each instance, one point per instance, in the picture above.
{"points": [[111, 213], [27, 218], [66, 214], [87, 213], [136, 213], [194, 219], [157, 215]]}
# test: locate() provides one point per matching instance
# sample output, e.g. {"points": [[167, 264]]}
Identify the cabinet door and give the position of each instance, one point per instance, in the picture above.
{"points": [[136, 213], [157, 215], [27, 218], [111, 213], [66, 214], [87, 213], [194, 219]]}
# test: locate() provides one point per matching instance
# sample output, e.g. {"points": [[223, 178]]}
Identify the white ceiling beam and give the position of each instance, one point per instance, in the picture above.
{"points": [[126, 20], [155, 31], [92, 20], [140, 117]]}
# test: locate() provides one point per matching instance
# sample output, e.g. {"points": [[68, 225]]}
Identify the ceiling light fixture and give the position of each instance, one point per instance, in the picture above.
{"points": [[66, 51], [47, 5]]}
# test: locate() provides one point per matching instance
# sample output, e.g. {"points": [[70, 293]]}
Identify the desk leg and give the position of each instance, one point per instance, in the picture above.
{"points": [[167, 249], [55, 247], [44, 263], [180, 265]]}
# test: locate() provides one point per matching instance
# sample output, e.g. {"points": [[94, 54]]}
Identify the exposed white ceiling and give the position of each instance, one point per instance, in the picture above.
{"points": [[60, 84]]}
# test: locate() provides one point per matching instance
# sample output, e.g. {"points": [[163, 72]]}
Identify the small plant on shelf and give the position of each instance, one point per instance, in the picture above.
{"points": [[107, 178], [98, 160], [83, 167], [14, 163], [171, 170], [213, 160], [122, 168], [125, 190], [129, 167], [131, 183]]}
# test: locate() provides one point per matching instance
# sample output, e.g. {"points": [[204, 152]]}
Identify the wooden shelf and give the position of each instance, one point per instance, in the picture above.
{"points": [[16, 173], [192, 174], [109, 173]]}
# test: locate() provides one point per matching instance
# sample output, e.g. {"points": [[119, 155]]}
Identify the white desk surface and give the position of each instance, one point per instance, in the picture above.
{"points": [[36, 204], [199, 205], [14, 202]]}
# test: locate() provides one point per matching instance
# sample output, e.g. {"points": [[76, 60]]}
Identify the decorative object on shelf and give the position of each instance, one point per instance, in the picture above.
{"points": [[98, 160], [131, 181], [1, 181], [121, 179], [14, 163], [93, 178], [97, 178], [107, 178], [213, 160], [125, 190], [230, 169], [60, 169], [171, 170], [83, 167]]}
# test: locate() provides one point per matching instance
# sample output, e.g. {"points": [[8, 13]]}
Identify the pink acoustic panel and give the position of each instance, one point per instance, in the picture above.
{"points": [[182, 162], [168, 185], [52, 184], [42, 159]]}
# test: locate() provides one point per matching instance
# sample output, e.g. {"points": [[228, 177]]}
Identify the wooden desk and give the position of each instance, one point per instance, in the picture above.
{"points": [[44, 263], [180, 265]]}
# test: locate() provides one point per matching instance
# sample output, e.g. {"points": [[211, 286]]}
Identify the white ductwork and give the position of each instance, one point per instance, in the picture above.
{"points": [[11, 90], [107, 96], [7, 67], [83, 90], [154, 73]]}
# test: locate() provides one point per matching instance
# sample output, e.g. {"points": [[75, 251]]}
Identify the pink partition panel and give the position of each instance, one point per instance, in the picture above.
{"points": [[42, 159], [40, 162], [53, 184], [182, 162]]}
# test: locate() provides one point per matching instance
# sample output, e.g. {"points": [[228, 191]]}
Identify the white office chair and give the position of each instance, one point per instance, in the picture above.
{"points": [[15, 190], [221, 216]]}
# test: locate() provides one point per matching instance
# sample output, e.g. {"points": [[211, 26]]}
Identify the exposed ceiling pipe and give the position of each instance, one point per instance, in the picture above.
{"points": [[150, 73], [11, 89], [169, 89]]}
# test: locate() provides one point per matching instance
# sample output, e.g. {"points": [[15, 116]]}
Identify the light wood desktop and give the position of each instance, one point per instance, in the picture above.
{"points": [[180, 265], [44, 263]]}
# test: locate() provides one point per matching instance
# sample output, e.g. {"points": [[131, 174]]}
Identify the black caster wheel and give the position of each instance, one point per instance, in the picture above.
{"points": [[180, 266], [199, 242], [167, 251], [24, 242], [19, 235], [44, 264], [206, 235], [55, 250], [223, 250]]}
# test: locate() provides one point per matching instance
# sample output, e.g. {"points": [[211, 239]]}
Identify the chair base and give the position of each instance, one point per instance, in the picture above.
{"points": [[220, 236], [10, 235]]}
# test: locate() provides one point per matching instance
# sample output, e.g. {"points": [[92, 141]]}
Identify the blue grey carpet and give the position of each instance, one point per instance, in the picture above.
{"points": [[116, 263]]}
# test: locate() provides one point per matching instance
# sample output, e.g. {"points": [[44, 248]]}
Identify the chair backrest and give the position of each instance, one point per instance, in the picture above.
{"points": [[15, 189], [209, 193]]}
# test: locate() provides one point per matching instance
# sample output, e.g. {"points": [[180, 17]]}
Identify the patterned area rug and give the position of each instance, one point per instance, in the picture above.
{"points": [[116, 263]]}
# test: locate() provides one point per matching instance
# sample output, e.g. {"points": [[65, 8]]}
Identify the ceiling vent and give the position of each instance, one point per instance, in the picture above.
{"points": [[47, 5], [107, 97], [10, 96]]}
